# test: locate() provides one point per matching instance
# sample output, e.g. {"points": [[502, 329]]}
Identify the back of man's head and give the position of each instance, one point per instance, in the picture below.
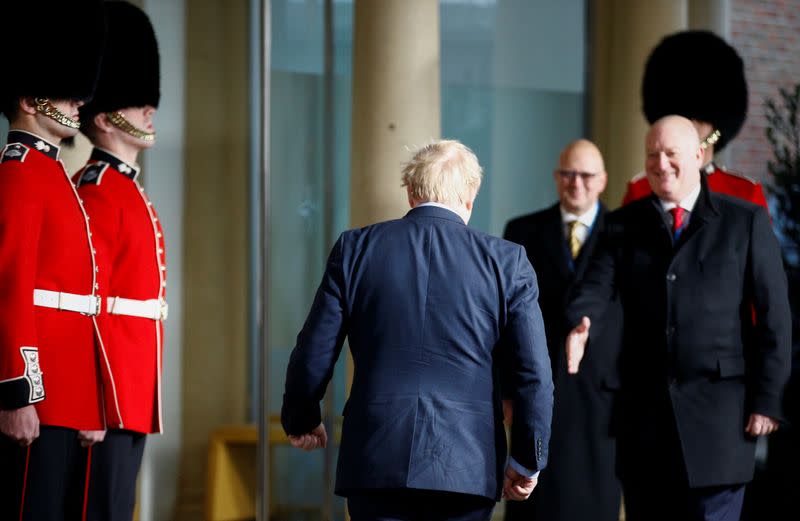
{"points": [[445, 172]]}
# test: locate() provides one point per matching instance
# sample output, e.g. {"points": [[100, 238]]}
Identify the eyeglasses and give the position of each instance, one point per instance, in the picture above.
{"points": [[569, 175]]}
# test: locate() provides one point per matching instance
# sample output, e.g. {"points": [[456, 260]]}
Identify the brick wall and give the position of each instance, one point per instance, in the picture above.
{"points": [[767, 35]]}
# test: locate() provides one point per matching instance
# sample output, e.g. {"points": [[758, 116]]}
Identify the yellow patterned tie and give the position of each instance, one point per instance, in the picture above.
{"points": [[574, 242]]}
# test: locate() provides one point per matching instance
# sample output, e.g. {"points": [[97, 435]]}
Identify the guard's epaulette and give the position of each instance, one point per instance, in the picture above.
{"points": [[734, 173], [14, 152], [92, 174]]}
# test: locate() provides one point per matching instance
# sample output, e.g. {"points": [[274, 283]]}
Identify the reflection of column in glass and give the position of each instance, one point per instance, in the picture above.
{"points": [[623, 32]]}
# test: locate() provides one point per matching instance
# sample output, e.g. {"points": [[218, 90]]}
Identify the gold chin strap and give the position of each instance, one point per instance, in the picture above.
{"points": [[711, 139], [44, 106], [119, 121]]}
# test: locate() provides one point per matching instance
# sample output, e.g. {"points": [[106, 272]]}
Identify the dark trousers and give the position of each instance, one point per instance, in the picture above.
{"points": [[418, 505], [114, 465], [655, 485], [46, 481], [648, 500]]}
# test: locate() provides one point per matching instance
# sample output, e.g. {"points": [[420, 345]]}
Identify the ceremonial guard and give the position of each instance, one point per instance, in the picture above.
{"points": [[718, 115], [119, 122], [53, 364]]}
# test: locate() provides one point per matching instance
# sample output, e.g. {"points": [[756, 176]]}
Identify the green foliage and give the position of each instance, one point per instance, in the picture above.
{"points": [[783, 133]]}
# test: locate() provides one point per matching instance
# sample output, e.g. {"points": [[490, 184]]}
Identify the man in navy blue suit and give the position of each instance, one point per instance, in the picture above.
{"points": [[436, 315]]}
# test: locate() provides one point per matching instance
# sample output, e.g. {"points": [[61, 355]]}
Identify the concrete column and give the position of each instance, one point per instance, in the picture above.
{"points": [[623, 34], [712, 15], [396, 100], [214, 362]]}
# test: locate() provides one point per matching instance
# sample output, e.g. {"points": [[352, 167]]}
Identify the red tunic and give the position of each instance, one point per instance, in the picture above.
{"points": [[129, 234], [719, 180], [48, 357]]}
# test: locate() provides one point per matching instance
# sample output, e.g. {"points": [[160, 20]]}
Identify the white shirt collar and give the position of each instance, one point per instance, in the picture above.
{"points": [[687, 203], [440, 205], [587, 218]]}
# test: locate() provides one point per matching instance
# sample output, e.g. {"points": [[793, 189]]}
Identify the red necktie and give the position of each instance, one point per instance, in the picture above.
{"points": [[677, 219]]}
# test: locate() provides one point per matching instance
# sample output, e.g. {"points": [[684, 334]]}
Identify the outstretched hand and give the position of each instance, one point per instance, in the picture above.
{"points": [[576, 345], [517, 487], [508, 412], [315, 439]]}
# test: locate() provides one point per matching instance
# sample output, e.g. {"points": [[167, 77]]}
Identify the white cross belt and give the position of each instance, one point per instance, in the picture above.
{"points": [[85, 304], [154, 309]]}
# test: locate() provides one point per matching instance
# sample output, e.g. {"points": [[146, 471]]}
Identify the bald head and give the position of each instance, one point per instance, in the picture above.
{"points": [[673, 158], [580, 176], [681, 127], [582, 150]]}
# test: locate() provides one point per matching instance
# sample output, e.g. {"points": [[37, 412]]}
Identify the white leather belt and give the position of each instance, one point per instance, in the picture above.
{"points": [[154, 309], [85, 304]]}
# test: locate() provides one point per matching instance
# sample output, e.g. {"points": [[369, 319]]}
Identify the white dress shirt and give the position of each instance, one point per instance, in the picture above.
{"points": [[687, 203], [586, 219]]}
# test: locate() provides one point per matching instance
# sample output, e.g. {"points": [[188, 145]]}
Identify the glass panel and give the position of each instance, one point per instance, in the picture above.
{"points": [[513, 76], [302, 227], [504, 93]]}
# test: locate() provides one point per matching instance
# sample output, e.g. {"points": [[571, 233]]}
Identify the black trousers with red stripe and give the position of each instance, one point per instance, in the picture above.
{"points": [[43, 482], [114, 466]]}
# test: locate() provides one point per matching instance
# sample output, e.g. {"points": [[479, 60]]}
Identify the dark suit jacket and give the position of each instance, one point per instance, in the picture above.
{"points": [[581, 447], [542, 235], [694, 361], [429, 307]]}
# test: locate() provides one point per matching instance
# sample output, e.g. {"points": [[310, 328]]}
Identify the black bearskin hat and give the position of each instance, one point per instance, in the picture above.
{"points": [[57, 46], [129, 74], [696, 74]]}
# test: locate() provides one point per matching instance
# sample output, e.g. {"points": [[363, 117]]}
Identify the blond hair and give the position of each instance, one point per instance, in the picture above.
{"points": [[443, 172]]}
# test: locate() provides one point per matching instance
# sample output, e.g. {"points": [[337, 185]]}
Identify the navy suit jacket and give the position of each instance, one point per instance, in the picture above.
{"points": [[432, 310]]}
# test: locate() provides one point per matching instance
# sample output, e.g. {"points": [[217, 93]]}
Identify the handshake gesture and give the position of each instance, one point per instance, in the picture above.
{"points": [[757, 424], [576, 345]]}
